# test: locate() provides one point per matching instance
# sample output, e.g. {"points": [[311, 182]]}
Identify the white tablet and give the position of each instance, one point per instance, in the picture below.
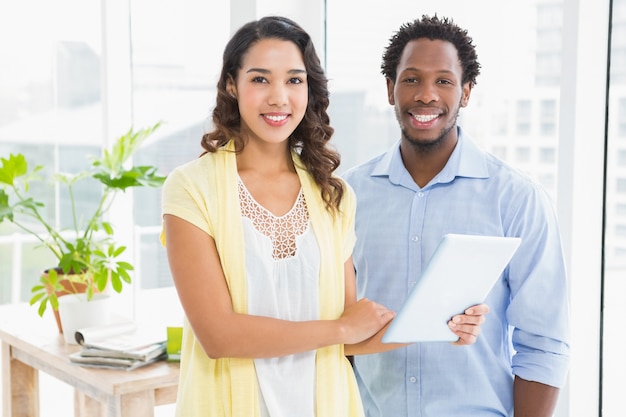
{"points": [[460, 274]]}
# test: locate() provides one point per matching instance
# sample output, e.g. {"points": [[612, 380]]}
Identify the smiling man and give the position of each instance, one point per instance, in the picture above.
{"points": [[436, 180]]}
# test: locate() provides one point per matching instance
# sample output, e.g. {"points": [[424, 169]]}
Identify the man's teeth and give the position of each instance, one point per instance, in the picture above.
{"points": [[276, 118], [424, 118]]}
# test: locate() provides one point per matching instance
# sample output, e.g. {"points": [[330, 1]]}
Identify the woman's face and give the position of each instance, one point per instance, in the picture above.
{"points": [[271, 90]]}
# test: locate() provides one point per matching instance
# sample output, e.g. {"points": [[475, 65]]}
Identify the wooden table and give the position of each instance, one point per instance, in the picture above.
{"points": [[31, 344]]}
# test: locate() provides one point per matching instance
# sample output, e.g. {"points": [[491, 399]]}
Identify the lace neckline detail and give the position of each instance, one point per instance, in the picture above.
{"points": [[281, 230]]}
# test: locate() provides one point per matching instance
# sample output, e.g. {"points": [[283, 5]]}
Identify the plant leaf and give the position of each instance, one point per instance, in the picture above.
{"points": [[13, 167]]}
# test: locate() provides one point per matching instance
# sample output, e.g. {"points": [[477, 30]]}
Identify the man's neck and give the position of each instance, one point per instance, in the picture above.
{"points": [[424, 163]]}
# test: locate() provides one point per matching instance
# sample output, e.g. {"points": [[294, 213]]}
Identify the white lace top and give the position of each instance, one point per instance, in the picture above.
{"points": [[282, 267]]}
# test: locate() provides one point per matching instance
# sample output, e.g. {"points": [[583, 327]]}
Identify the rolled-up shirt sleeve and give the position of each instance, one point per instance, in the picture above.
{"points": [[538, 309]]}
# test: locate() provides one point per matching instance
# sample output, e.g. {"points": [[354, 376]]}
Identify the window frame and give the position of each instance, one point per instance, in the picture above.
{"points": [[580, 195]]}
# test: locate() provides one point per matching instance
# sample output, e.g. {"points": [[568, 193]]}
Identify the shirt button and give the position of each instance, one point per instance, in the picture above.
{"points": [[413, 380], [420, 194], [415, 238]]}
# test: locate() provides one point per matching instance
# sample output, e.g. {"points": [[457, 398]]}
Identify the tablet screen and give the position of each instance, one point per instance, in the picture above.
{"points": [[460, 274]]}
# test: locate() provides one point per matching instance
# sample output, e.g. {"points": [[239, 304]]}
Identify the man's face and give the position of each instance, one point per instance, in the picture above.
{"points": [[428, 92]]}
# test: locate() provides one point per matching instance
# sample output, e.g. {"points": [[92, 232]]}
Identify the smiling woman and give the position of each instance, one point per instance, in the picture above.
{"points": [[278, 268]]}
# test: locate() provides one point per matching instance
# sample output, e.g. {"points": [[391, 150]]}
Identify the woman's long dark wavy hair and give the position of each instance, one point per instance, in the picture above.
{"points": [[311, 138]]}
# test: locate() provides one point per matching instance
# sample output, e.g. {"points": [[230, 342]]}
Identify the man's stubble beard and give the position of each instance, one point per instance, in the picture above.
{"points": [[421, 146]]}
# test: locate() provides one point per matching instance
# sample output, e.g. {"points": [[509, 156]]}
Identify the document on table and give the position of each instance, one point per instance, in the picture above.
{"points": [[121, 336]]}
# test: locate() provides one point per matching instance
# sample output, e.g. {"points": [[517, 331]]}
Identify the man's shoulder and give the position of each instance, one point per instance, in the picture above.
{"points": [[509, 172], [513, 181], [362, 170]]}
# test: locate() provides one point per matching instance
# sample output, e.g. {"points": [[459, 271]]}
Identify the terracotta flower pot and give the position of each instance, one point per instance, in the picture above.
{"points": [[69, 287]]}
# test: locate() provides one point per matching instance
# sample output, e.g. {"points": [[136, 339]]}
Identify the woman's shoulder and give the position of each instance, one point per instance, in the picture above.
{"points": [[191, 173], [200, 164], [348, 199], [348, 191]]}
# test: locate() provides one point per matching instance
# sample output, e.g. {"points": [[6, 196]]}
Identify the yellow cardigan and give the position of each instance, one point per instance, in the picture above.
{"points": [[204, 192]]}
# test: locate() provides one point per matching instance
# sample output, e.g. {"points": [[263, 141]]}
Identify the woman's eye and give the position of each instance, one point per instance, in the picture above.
{"points": [[295, 80], [259, 79]]}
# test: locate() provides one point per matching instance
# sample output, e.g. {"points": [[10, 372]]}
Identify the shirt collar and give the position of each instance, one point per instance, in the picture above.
{"points": [[467, 160]]}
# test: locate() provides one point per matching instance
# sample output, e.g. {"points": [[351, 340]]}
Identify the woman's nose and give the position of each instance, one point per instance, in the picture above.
{"points": [[278, 95]]}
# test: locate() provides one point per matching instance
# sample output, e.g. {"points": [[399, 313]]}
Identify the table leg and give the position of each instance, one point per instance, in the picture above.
{"points": [[134, 404], [85, 406], [139, 404], [20, 387]]}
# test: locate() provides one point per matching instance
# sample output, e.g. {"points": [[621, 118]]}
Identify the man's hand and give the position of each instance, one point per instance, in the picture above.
{"points": [[467, 326]]}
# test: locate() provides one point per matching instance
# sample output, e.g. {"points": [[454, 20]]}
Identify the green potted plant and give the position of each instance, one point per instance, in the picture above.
{"points": [[87, 254]]}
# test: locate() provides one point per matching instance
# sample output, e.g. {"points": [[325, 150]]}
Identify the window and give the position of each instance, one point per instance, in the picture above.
{"points": [[547, 117], [50, 109], [523, 117], [547, 155], [614, 286], [64, 94], [621, 119], [174, 77], [522, 155], [618, 40]]}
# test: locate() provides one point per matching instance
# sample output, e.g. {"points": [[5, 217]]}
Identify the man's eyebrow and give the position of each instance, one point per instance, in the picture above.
{"points": [[440, 71]]}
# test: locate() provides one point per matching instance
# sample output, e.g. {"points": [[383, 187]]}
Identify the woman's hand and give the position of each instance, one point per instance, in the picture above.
{"points": [[467, 326], [363, 319]]}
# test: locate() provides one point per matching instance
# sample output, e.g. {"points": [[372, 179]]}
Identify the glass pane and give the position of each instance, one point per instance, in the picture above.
{"points": [[5, 271], [174, 76], [613, 359], [50, 110]]}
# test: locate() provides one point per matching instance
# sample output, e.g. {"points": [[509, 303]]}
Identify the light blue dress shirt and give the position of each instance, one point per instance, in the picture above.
{"points": [[526, 333]]}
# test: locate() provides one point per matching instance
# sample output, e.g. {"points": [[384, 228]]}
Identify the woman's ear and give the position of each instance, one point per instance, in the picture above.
{"points": [[231, 89]]}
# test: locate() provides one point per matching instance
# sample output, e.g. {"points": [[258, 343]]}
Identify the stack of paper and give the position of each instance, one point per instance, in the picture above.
{"points": [[120, 346]]}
